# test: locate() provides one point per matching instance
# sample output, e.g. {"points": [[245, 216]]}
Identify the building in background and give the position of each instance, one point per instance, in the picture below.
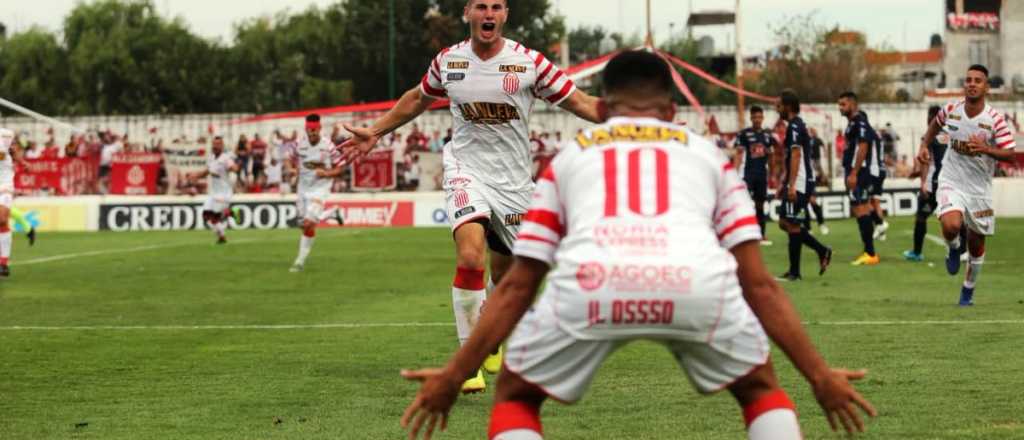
{"points": [[989, 32]]}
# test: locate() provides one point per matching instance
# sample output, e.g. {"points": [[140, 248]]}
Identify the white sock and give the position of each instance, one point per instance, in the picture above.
{"points": [[305, 246], [777, 424], [519, 434], [218, 228], [466, 304], [973, 271], [328, 213], [5, 245], [954, 243]]}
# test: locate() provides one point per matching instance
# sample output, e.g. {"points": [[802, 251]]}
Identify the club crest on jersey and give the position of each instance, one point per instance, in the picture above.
{"points": [[511, 68], [458, 64], [491, 113], [456, 76], [461, 198], [510, 83]]}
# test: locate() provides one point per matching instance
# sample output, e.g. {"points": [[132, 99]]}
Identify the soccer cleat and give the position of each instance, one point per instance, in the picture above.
{"points": [[236, 215], [912, 256], [338, 218], [880, 231], [966, 296], [5, 271], [824, 260], [297, 267], [32, 236], [766, 243], [953, 261], [823, 228], [788, 277], [866, 260], [493, 362], [222, 240], [475, 384]]}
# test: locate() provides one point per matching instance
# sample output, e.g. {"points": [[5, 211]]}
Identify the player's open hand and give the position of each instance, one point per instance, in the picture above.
{"points": [[851, 181], [840, 400], [976, 145], [429, 410], [924, 156], [362, 141]]}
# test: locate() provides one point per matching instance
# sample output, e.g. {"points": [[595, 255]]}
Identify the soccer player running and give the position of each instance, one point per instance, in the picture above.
{"points": [[756, 144], [319, 162], [797, 185], [217, 208], [926, 201], [9, 154], [877, 214], [706, 291], [819, 172], [19, 218], [979, 137], [492, 83], [862, 173]]}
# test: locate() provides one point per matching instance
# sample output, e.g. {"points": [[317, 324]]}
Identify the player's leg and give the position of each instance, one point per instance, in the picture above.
{"points": [[311, 208], [952, 207], [516, 412], [819, 215], [500, 261], [860, 205], [758, 190], [469, 287], [788, 222], [5, 235], [925, 208], [18, 218], [976, 247], [213, 214], [768, 411]]}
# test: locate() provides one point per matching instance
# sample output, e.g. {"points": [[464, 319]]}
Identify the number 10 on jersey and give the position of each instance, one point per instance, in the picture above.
{"points": [[646, 175]]}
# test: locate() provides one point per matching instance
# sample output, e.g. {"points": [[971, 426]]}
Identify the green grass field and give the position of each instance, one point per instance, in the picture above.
{"points": [[111, 352]]}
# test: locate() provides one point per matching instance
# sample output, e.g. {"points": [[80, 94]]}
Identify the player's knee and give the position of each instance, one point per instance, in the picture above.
{"points": [[470, 257], [308, 228], [512, 388], [758, 383]]}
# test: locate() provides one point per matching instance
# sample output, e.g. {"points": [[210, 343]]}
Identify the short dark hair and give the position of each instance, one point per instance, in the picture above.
{"points": [[848, 95], [637, 69], [979, 68], [313, 117], [756, 109], [933, 111], [789, 99]]}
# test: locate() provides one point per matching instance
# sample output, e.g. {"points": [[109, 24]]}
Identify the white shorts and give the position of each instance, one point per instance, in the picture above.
{"points": [[977, 211], [310, 206], [542, 353], [217, 204], [469, 200], [6, 198]]}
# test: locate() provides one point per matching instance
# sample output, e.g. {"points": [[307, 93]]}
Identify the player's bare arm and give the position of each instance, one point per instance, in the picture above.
{"points": [[978, 145], [330, 173], [922, 169], [201, 174], [832, 387], [412, 104], [583, 105], [858, 162], [505, 307], [794, 164]]}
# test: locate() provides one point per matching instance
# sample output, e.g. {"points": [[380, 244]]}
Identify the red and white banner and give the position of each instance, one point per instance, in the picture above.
{"points": [[374, 172], [135, 173], [63, 176], [373, 213]]}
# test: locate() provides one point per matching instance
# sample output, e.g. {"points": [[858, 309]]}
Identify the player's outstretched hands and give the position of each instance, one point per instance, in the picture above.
{"points": [[429, 410], [840, 400], [362, 141]]}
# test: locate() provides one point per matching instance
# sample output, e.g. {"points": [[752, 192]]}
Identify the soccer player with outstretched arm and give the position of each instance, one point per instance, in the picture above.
{"points": [[705, 295], [492, 83], [10, 154]]}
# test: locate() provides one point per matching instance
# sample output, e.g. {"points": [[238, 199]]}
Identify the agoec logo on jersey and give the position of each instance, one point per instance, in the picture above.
{"points": [[634, 277]]}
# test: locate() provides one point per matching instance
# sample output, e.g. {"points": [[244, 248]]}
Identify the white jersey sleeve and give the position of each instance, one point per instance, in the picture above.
{"points": [[544, 224], [553, 84], [6, 161], [431, 85], [735, 219]]}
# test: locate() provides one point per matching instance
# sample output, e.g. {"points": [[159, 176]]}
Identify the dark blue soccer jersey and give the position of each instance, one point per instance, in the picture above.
{"points": [[797, 137], [859, 130], [757, 148]]}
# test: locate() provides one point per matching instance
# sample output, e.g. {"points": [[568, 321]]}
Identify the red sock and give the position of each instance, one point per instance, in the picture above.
{"points": [[309, 233], [773, 416], [514, 416], [469, 279]]}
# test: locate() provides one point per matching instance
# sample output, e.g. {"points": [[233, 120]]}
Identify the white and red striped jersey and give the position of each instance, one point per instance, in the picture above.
{"points": [[491, 103], [309, 158], [219, 168], [645, 211], [971, 174], [6, 161]]}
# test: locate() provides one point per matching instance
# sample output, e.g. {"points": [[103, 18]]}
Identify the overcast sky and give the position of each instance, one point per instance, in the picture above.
{"points": [[903, 24]]}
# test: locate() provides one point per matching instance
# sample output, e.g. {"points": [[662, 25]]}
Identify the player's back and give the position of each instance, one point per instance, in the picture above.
{"points": [[643, 212]]}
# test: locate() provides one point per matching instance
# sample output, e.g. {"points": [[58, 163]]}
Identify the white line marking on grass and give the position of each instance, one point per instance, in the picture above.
{"points": [[937, 240], [359, 325]]}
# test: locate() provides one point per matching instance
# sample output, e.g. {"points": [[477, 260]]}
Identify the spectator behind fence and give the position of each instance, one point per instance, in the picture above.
{"points": [[258, 152], [412, 174], [436, 142]]}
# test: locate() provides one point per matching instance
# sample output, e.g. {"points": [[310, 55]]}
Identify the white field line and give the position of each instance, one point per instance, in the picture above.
{"points": [[448, 324], [62, 257]]}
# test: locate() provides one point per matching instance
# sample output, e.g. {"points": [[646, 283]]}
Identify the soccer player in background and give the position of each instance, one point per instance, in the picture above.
{"points": [[9, 154], [797, 184], [926, 201], [861, 173], [19, 219], [877, 214], [819, 173], [755, 145], [638, 171], [319, 162], [492, 83], [219, 190], [978, 137]]}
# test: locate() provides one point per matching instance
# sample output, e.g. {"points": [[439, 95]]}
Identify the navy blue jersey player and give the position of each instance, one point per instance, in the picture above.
{"points": [[797, 183], [754, 147], [862, 172]]}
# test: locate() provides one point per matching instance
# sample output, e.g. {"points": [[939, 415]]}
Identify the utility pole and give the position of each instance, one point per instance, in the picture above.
{"points": [[740, 104], [649, 41], [391, 49]]}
